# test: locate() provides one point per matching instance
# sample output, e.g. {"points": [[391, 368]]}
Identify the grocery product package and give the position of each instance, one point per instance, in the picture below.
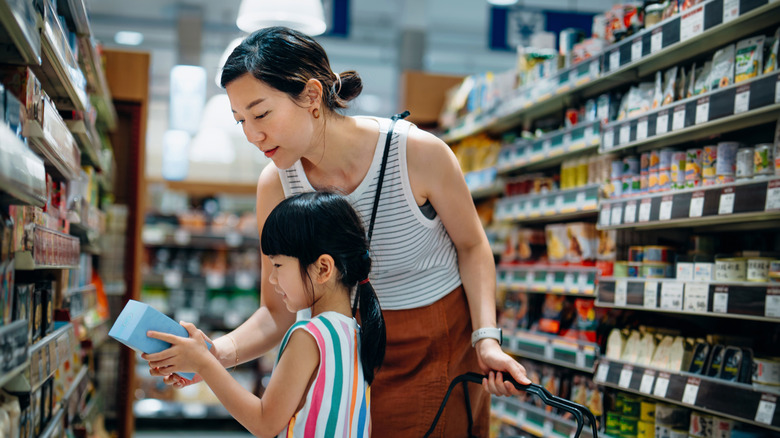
{"points": [[748, 58]]}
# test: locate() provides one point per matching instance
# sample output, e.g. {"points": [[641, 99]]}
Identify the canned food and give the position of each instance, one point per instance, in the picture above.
{"points": [[656, 270], [727, 158], [636, 253], [630, 165], [627, 185], [631, 407], [644, 162], [646, 429], [709, 160], [665, 159], [745, 163], [678, 170], [644, 183], [693, 159], [664, 180], [634, 269], [652, 182], [617, 170], [709, 182], [731, 269], [777, 159], [658, 253], [647, 411], [774, 267], [620, 269], [763, 160], [758, 269], [655, 161]]}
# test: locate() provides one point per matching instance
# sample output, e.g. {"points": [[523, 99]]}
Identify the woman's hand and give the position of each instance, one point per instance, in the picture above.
{"points": [[495, 363], [185, 355]]}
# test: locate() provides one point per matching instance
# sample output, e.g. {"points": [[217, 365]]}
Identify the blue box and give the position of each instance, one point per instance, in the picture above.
{"points": [[136, 319]]}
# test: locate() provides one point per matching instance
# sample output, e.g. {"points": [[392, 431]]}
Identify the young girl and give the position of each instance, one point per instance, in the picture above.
{"points": [[320, 383]]}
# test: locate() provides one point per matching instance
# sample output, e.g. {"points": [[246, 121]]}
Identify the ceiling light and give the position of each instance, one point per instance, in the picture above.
{"points": [[128, 38], [502, 2], [223, 59], [305, 16]]}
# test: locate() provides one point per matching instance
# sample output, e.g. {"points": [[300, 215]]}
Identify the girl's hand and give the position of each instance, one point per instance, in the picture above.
{"points": [[174, 379], [185, 354], [494, 362]]}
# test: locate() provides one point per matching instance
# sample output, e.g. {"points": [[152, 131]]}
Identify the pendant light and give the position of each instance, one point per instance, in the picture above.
{"points": [[305, 16]]}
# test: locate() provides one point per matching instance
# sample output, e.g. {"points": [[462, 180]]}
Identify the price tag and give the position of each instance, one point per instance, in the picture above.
{"points": [[697, 205], [656, 40], [617, 214], [720, 300], [692, 23], [661, 385], [172, 279], [742, 99], [651, 294], [672, 295], [678, 120], [215, 280], [777, 90], [691, 391], [245, 280], [666, 208], [697, 297], [181, 237], [548, 428], [730, 10], [602, 372], [644, 210], [609, 139], [529, 277], [772, 305], [581, 200], [636, 49], [766, 409], [641, 129], [152, 236], [582, 281], [566, 140], [546, 146], [593, 69], [648, 378], [621, 292], [549, 280], [233, 239], [604, 215], [773, 195], [630, 217], [625, 376], [625, 134], [662, 122], [579, 358], [726, 205], [568, 281], [614, 60], [702, 110]]}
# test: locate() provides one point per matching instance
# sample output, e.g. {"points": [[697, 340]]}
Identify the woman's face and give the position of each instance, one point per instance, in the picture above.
{"points": [[287, 281], [280, 127]]}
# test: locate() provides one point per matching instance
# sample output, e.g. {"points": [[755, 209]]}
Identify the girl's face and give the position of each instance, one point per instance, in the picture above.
{"points": [[280, 127], [287, 281]]}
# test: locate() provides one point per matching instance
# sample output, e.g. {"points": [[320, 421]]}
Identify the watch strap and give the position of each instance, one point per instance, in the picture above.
{"points": [[484, 333]]}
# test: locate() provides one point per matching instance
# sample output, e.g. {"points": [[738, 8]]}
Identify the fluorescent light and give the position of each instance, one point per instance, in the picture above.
{"points": [[502, 2], [128, 38], [304, 16]]}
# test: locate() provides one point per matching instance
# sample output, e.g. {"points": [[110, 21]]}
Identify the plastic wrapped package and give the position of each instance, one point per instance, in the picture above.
{"points": [[770, 61], [748, 59], [722, 73]]}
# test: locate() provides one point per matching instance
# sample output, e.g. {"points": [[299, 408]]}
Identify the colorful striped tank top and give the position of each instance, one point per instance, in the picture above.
{"points": [[338, 401]]}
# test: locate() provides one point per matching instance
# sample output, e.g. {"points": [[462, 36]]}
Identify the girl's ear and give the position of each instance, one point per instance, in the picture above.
{"points": [[324, 268], [312, 93]]}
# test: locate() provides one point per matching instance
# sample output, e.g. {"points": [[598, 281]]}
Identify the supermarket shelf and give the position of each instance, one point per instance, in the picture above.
{"points": [[55, 427], [54, 142], [13, 341], [569, 353], [555, 206], [741, 300], [150, 408], [97, 84], [77, 381], [550, 149], [88, 142], [156, 237], [206, 188], [737, 401], [533, 419], [22, 173], [20, 41], [173, 279], [98, 334], [51, 250], [561, 280], [484, 183], [75, 13], [717, 112], [8, 376], [754, 200], [44, 354]]}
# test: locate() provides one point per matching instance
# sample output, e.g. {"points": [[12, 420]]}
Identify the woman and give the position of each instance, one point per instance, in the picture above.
{"points": [[432, 265]]}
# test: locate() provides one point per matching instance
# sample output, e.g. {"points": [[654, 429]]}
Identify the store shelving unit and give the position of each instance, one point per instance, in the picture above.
{"points": [[553, 206], [570, 353], [21, 41], [28, 186], [548, 279], [180, 237], [533, 419]]}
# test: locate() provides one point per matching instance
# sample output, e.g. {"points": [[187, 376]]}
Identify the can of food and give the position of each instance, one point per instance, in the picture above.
{"points": [[647, 411], [665, 159], [664, 180], [613, 424], [636, 253], [774, 267], [628, 181], [658, 254], [709, 161], [727, 158], [758, 269], [777, 159], [763, 160], [644, 162], [693, 167], [652, 182], [701, 425], [655, 161], [630, 165], [644, 183], [766, 370], [636, 185], [631, 407], [678, 170], [724, 179], [745, 163], [731, 269], [656, 270], [634, 269], [617, 170], [620, 269], [646, 429], [629, 427]]}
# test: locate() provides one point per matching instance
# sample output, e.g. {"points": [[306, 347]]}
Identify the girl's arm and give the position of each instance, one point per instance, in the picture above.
{"points": [[435, 175]]}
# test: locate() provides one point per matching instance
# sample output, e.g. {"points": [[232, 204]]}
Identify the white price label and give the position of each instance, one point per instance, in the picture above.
{"points": [[662, 123], [181, 237], [546, 146], [549, 280], [691, 391], [630, 217], [625, 376], [661, 385], [579, 359], [730, 10], [726, 205], [593, 69], [604, 215], [172, 279], [609, 139], [582, 281], [602, 372], [548, 351], [233, 239], [702, 110], [636, 49], [617, 214], [720, 302], [777, 90], [666, 208], [772, 304], [651, 294], [581, 197], [641, 129], [766, 409], [548, 428], [672, 295], [697, 205], [678, 120], [625, 134], [621, 292], [742, 99], [568, 281], [245, 280], [656, 40], [692, 23], [614, 60], [773, 195], [215, 280], [644, 210], [648, 378], [529, 277], [697, 297], [566, 140]]}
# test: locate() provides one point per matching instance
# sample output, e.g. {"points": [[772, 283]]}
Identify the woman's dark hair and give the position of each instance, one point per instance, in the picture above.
{"points": [[286, 59], [308, 225]]}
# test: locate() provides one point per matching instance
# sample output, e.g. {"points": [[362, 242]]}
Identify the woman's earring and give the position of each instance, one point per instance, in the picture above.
{"points": [[316, 113]]}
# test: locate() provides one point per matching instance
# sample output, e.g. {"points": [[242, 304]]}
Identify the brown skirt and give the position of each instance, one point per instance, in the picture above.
{"points": [[426, 348]]}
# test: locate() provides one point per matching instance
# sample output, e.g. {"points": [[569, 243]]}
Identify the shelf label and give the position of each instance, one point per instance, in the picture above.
{"points": [[730, 10], [636, 49], [657, 40], [245, 280], [621, 292], [766, 409], [772, 305], [604, 216], [648, 378], [548, 350], [602, 372], [777, 90], [172, 279], [625, 134], [181, 237], [720, 299], [568, 281], [773, 195], [548, 428], [692, 23], [666, 208], [579, 358], [742, 99], [661, 385], [625, 376], [678, 120], [582, 282], [233, 239], [672, 295], [641, 129], [702, 110], [662, 122], [609, 139], [593, 69], [581, 197], [691, 391], [614, 60], [697, 205], [651, 295], [617, 214], [726, 205], [644, 210], [696, 297], [630, 217], [215, 280], [567, 140], [529, 277]]}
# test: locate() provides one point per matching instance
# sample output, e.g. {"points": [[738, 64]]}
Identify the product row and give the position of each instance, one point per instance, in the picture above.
{"points": [[563, 316]]}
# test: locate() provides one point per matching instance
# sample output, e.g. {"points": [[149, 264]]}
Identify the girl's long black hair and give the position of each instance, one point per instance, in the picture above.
{"points": [[308, 225]]}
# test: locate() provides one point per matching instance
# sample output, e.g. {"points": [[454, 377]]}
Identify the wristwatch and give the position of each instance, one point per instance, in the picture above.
{"points": [[487, 332]]}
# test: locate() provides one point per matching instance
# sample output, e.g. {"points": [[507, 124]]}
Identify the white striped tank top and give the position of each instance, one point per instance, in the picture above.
{"points": [[414, 262], [339, 400]]}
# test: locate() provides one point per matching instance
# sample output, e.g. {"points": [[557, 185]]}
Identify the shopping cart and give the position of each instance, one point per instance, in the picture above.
{"points": [[579, 412]]}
